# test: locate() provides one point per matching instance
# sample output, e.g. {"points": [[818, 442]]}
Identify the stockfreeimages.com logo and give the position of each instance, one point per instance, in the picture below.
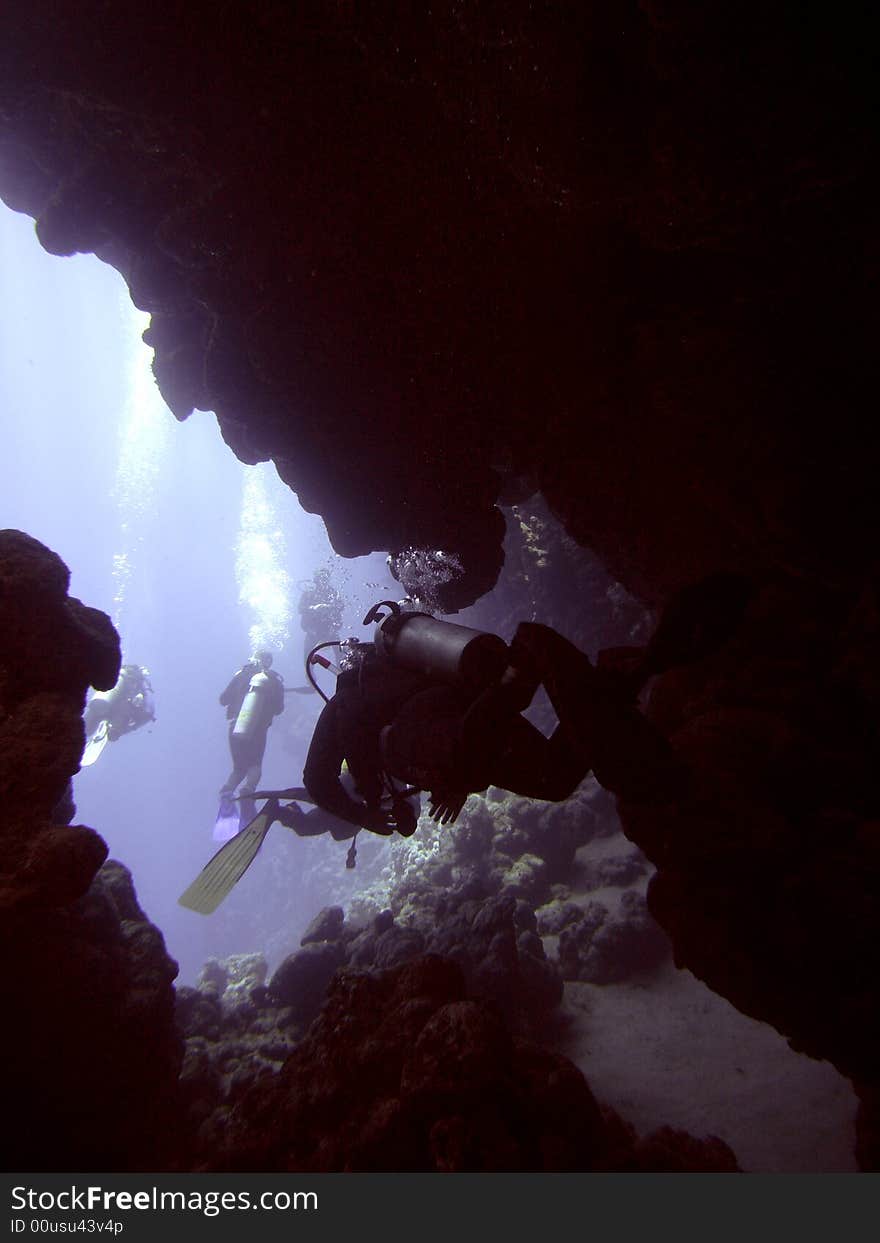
{"points": [[209, 1203]]}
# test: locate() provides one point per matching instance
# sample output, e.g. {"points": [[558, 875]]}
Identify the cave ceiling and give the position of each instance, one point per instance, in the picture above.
{"points": [[427, 259]]}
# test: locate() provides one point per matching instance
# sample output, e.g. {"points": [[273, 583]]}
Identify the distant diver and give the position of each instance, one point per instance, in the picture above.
{"points": [[320, 610], [252, 699], [125, 708]]}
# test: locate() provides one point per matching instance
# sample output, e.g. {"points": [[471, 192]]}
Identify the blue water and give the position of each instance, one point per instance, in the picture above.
{"points": [[147, 514]]}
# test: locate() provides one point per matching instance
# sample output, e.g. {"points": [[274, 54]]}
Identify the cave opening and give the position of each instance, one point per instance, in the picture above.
{"points": [[197, 558]]}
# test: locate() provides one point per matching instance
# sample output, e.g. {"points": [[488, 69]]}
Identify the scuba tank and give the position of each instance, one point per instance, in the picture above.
{"points": [[254, 714], [110, 705], [119, 693], [439, 649]]}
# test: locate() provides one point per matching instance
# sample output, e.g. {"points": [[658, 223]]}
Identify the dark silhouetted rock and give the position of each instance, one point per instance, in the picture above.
{"points": [[301, 980], [198, 1012], [93, 1056], [326, 926], [398, 945], [603, 948], [401, 1072]]}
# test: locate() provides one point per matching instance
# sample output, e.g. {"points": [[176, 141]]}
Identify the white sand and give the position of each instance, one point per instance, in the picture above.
{"points": [[664, 1050], [668, 1051]]}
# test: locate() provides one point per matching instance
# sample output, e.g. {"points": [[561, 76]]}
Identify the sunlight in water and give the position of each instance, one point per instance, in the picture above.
{"points": [[260, 556], [144, 436]]}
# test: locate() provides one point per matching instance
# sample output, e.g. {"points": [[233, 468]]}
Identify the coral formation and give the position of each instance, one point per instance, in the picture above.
{"points": [[71, 929], [401, 1071]]}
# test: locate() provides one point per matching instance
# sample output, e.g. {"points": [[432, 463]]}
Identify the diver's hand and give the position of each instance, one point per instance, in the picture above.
{"points": [[405, 817], [291, 815], [444, 808], [378, 821]]}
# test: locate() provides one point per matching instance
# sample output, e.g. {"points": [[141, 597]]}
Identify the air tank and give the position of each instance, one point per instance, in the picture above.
{"points": [[254, 713], [441, 649]]}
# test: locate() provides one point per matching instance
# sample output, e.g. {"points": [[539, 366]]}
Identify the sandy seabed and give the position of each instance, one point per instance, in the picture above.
{"points": [[665, 1050]]}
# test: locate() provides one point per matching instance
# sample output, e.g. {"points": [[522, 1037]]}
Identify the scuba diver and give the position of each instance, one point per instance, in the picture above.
{"points": [[439, 707], [396, 808], [125, 708], [432, 706], [252, 699], [320, 610]]}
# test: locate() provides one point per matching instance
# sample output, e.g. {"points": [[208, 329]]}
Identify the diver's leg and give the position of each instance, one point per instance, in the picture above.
{"points": [[251, 782], [246, 792], [599, 720], [236, 773], [229, 785], [240, 762], [315, 822], [486, 725], [533, 766], [252, 777]]}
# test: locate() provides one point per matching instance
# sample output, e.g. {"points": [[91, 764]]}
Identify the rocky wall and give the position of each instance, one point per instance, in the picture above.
{"points": [[89, 1048], [768, 879], [401, 1071]]}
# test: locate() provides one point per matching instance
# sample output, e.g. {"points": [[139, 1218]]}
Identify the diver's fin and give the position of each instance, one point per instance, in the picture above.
{"points": [[228, 820], [229, 864], [95, 744]]}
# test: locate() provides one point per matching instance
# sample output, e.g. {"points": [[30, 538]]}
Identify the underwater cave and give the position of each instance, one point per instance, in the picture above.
{"points": [[580, 295]]}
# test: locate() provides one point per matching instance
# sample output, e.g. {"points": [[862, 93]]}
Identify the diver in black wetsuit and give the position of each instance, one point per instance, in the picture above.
{"points": [[454, 739], [439, 706], [369, 694]]}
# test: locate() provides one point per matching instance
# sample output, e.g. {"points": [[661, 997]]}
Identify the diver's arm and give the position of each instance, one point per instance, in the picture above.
{"points": [[226, 696], [245, 672], [323, 766]]}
